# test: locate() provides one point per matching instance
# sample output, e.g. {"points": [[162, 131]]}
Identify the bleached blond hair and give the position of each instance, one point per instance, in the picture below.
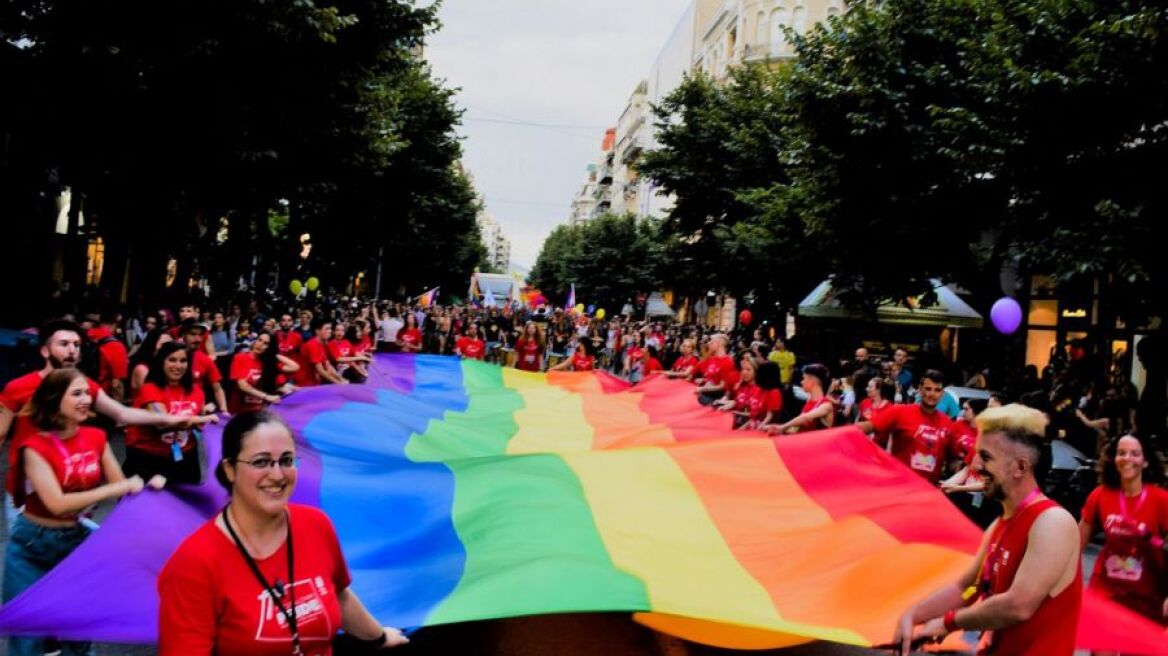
{"points": [[1013, 418]]}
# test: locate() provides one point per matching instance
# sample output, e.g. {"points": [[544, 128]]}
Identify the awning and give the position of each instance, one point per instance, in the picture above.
{"points": [[949, 310], [656, 307]]}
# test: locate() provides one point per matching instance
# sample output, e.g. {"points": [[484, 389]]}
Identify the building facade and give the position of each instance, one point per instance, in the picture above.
{"points": [[711, 36], [497, 244]]}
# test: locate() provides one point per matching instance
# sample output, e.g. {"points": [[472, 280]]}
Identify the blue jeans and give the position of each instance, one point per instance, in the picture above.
{"points": [[32, 551]]}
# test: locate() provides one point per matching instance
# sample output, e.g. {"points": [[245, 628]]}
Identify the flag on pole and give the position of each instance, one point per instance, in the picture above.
{"points": [[472, 294], [428, 299], [572, 297]]}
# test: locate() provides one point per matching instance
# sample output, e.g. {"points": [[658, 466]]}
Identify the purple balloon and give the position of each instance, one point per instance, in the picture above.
{"points": [[1006, 315]]}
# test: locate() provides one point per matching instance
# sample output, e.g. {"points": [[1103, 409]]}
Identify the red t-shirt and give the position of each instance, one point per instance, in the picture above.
{"points": [[718, 369], [17, 393], [177, 402], [1129, 569], [204, 370], [245, 366], [409, 337], [583, 362], [312, 353], [964, 438], [1050, 631], [76, 462], [868, 409], [288, 342], [363, 346], [635, 355], [337, 349], [919, 440], [114, 363], [684, 362], [471, 348], [757, 402], [212, 603], [527, 354], [823, 422], [652, 364]]}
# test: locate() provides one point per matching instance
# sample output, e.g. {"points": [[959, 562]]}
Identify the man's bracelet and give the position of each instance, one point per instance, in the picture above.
{"points": [[950, 621]]}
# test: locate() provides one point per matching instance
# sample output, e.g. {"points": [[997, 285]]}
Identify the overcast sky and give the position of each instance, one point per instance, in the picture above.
{"points": [[540, 81]]}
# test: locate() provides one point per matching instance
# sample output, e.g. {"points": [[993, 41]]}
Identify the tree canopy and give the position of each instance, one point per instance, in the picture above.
{"points": [[225, 111]]}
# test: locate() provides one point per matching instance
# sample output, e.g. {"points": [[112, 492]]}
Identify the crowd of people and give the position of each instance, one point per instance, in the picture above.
{"points": [[164, 375]]}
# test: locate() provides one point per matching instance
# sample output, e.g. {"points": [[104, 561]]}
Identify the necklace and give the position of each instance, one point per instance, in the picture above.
{"points": [[275, 590]]}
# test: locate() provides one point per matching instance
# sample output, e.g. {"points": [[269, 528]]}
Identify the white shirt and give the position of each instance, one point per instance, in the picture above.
{"points": [[390, 328]]}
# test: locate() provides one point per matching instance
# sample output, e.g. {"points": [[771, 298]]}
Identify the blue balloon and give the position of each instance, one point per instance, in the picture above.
{"points": [[591, 309], [1006, 315]]}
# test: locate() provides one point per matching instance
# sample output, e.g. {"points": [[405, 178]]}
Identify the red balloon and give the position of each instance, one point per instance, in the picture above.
{"points": [[745, 317]]}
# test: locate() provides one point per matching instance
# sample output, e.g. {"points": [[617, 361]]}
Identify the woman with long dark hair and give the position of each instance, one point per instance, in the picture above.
{"points": [[169, 390], [1131, 508], [259, 375], [143, 356]]}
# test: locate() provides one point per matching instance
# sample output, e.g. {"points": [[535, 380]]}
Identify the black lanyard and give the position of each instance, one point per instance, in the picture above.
{"points": [[275, 592]]}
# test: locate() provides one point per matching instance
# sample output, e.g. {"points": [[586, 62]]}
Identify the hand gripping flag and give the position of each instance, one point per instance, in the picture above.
{"points": [[462, 491]]}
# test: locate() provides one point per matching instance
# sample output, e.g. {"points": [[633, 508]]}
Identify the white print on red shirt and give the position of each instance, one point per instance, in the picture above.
{"points": [[85, 467], [924, 458], [312, 619], [181, 408]]}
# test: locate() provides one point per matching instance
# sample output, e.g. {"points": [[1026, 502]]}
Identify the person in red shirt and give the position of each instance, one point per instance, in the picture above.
{"points": [[363, 342], [1131, 508], [169, 390], [529, 348], [259, 376], [880, 394], [203, 368], [634, 356], [470, 346], [920, 434], [716, 375], [1023, 590], [747, 401], [409, 338], [287, 338], [60, 346], [65, 468], [964, 432], [581, 360], [114, 363], [317, 369], [143, 356], [649, 363], [264, 576], [342, 353], [819, 410], [686, 364]]}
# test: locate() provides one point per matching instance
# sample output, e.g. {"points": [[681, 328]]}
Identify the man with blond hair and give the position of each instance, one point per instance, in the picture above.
{"points": [[1024, 589]]}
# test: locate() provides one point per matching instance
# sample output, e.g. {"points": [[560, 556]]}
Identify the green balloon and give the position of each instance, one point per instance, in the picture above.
{"points": [[312, 283], [295, 287]]}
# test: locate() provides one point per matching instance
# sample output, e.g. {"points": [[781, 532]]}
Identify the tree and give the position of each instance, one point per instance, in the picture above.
{"points": [[610, 260]]}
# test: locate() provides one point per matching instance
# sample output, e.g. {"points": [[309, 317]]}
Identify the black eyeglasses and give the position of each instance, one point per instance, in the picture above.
{"points": [[285, 461]]}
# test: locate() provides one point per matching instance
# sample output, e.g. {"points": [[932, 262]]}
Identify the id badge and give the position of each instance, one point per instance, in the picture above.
{"points": [[176, 452], [978, 497]]}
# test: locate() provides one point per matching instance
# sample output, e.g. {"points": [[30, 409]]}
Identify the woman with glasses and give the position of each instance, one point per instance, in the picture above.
{"points": [[265, 576]]}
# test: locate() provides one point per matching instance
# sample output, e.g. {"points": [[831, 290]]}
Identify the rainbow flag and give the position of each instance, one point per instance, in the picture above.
{"points": [[427, 299], [463, 491]]}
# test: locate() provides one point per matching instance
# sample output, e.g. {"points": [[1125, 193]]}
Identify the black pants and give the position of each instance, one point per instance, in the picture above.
{"points": [[146, 465]]}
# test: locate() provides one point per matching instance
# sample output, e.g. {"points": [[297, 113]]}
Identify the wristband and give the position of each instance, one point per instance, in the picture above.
{"points": [[950, 621]]}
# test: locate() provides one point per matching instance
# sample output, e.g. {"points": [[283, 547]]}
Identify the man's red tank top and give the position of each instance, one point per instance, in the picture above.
{"points": [[1051, 630]]}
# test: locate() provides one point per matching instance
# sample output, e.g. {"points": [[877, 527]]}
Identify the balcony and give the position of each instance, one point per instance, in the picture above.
{"points": [[631, 147]]}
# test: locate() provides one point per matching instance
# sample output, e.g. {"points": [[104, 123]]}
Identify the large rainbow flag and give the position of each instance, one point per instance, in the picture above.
{"points": [[462, 491]]}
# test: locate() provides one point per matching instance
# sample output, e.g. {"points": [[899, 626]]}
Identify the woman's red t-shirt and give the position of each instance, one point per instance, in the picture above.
{"points": [[212, 603], [76, 462], [409, 337], [528, 354], [583, 362], [177, 402], [245, 366], [1129, 568], [684, 362]]}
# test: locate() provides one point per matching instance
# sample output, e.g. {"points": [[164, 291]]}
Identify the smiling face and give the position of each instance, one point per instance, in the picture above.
{"points": [[263, 490], [175, 366], [747, 370], [1130, 461], [74, 408]]}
